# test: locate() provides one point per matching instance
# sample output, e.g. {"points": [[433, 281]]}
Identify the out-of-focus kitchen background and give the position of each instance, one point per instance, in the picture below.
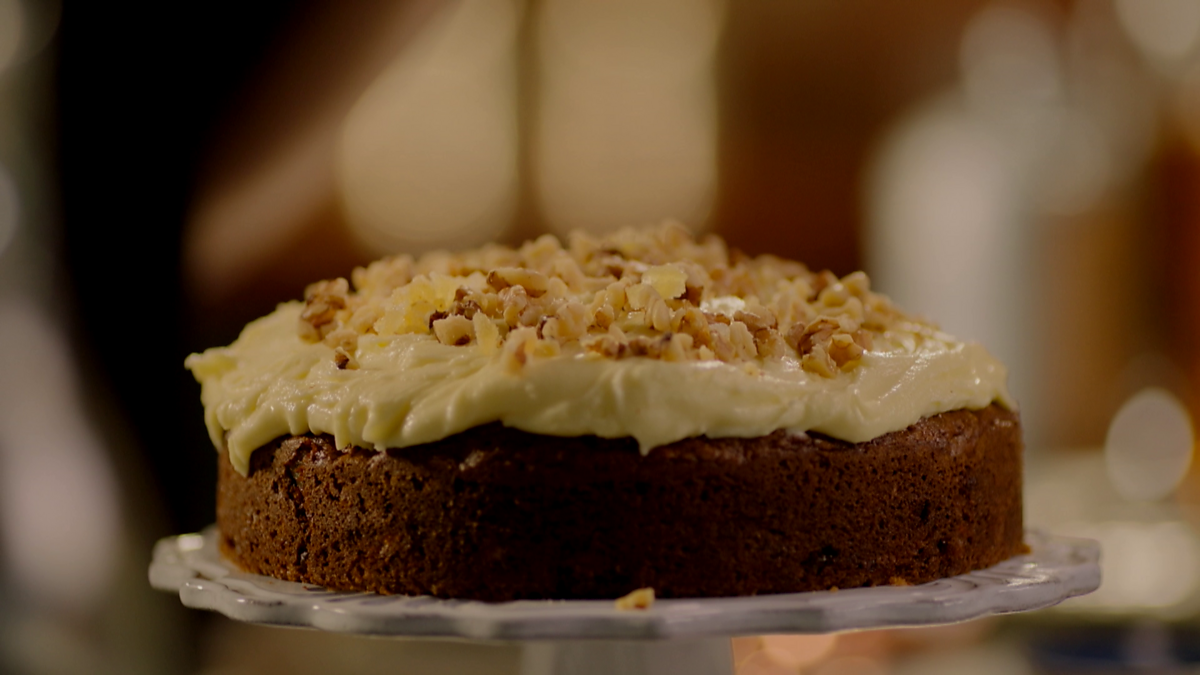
{"points": [[1026, 172]]}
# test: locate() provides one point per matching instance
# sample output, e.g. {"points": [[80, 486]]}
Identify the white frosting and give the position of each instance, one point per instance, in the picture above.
{"points": [[410, 389]]}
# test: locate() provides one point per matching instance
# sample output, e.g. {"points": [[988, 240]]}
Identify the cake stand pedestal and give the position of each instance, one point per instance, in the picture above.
{"points": [[586, 637]]}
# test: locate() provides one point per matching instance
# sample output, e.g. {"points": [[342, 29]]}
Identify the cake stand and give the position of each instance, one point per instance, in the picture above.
{"points": [[584, 637]]}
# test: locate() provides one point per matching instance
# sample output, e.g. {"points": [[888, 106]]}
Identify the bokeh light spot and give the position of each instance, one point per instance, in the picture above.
{"points": [[12, 26], [1167, 30], [626, 130], [1149, 445], [9, 208], [428, 157]]}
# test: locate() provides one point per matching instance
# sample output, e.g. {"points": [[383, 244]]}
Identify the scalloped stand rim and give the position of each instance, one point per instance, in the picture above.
{"points": [[585, 637]]}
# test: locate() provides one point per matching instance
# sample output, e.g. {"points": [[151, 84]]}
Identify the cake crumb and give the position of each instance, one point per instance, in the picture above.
{"points": [[642, 598], [899, 581], [833, 589]]}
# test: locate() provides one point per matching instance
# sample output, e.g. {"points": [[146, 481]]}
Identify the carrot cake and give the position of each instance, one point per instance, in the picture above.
{"points": [[644, 409]]}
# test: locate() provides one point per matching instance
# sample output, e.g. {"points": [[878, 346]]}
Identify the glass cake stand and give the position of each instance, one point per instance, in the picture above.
{"points": [[584, 637]]}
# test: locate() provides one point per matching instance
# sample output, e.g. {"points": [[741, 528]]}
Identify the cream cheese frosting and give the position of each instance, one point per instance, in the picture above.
{"points": [[407, 369]]}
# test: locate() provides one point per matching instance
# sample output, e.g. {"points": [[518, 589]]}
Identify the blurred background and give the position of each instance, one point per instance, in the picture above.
{"points": [[1026, 172]]}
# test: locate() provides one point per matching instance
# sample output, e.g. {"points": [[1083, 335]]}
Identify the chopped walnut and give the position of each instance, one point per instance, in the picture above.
{"points": [[517, 348], [642, 598], [534, 283], [743, 341], [677, 347], [322, 301], [803, 338], [844, 351], [344, 340], [721, 342], [818, 361], [761, 319], [655, 293], [486, 333], [670, 281], [658, 316], [641, 295], [454, 330], [607, 345], [343, 360], [769, 343], [602, 316], [572, 321], [513, 301]]}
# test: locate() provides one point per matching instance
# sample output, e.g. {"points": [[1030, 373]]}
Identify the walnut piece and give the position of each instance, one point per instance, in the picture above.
{"points": [[642, 598]]}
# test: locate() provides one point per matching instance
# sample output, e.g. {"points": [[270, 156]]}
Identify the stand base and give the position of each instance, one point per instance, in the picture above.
{"points": [[711, 656]]}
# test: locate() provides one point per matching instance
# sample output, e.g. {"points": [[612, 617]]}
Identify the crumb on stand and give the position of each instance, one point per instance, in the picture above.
{"points": [[642, 598]]}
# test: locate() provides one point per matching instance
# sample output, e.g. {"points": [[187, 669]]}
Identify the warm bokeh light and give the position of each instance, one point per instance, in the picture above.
{"points": [[1187, 106], [1107, 93], [798, 651], [850, 665], [626, 112], [1165, 30], [428, 155], [1009, 63], [769, 654], [952, 190], [9, 208], [1147, 566], [1014, 183], [1149, 445], [12, 25], [944, 207], [59, 521]]}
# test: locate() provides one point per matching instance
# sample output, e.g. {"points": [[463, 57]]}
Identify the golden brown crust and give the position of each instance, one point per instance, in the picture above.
{"points": [[498, 514]]}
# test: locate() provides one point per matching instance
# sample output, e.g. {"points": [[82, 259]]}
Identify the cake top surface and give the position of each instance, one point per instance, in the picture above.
{"points": [[648, 333]]}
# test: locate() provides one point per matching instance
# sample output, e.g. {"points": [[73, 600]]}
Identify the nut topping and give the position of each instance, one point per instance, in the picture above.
{"points": [[655, 293]]}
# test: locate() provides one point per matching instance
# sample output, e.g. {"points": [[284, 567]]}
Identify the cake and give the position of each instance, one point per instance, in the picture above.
{"points": [[642, 410]]}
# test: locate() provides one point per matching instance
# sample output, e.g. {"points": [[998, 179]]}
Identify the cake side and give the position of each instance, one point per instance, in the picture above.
{"points": [[495, 513]]}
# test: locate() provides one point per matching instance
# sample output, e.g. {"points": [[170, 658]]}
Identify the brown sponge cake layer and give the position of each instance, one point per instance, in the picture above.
{"points": [[499, 514]]}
